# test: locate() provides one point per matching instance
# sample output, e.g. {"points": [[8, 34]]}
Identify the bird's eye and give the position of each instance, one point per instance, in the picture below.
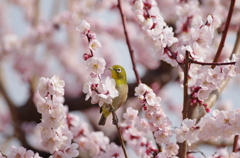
{"points": [[118, 70]]}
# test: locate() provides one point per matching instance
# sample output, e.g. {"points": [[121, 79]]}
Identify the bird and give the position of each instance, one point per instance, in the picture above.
{"points": [[120, 77]]}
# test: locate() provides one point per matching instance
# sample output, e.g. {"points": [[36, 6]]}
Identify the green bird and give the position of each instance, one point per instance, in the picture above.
{"points": [[120, 77]]}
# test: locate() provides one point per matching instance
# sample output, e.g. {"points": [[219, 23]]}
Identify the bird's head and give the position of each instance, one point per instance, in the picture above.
{"points": [[119, 74]]}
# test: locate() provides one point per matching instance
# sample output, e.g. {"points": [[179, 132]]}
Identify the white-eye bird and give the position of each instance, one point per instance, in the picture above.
{"points": [[120, 77]]}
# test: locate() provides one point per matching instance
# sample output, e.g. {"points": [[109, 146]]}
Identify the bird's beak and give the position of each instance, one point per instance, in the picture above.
{"points": [[110, 68]]}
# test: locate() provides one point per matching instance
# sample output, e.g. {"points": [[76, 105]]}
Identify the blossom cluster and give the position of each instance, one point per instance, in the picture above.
{"points": [[223, 124], [134, 130], [158, 122], [21, 152], [209, 79], [224, 153], [93, 144], [100, 91], [94, 44], [198, 38], [157, 32], [55, 134]]}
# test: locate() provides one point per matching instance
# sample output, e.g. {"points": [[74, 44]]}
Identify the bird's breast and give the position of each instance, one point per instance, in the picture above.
{"points": [[122, 95]]}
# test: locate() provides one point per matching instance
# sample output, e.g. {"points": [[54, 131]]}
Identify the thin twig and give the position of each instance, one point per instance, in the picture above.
{"points": [[236, 45], [197, 152], [235, 143], [128, 43], [215, 64], [119, 132], [225, 31]]}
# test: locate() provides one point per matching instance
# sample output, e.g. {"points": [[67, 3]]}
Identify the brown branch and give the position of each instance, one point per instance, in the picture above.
{"points": [[185, 89], [183, 146], [236, 47], [235, 143], [115, 120], [36, 6], [215, 64], [225, 31], [128, 43], [13, 111]]}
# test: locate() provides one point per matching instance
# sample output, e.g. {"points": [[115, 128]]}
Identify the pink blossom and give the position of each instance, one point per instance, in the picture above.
{"points": [[45, 131], [204, 93], [107, 91], [83, 143], [83, 28], [161, 155], [51, 144], [209, 129], [11, 42], [43, 86], [150, 98], [56, 86], [96, 65], [130, 116], [71, 150], [51, 122], [142, 89], [20, 152], [215, 76], [198, 53], [94, 45], [142, 125], [188, 131], [99, 139], [182, 51], [58, 154], [171, 149], [90, 85], [132, 133], [162, 136], [113, 151]]}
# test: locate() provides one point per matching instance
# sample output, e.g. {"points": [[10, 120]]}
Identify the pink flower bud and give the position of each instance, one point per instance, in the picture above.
{"points": [[193, 101], [92, 36], [86, 56], [208, 110]]}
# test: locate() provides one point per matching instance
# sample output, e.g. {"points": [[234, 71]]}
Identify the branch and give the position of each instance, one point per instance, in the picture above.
{"points": [[215, 64], [128, 43], [183, 146], [225, 31], [235, 143], [115, 120]]}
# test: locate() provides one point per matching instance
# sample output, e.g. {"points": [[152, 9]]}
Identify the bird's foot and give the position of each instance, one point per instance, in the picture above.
{"points": [[115, 121], [111, 109]]}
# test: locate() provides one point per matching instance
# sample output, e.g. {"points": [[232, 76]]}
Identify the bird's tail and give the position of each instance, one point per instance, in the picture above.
{"points": [[102, 120]]}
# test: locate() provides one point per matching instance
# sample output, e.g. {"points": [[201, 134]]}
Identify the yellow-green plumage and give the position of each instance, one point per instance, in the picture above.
{"points": [[120, 77]]}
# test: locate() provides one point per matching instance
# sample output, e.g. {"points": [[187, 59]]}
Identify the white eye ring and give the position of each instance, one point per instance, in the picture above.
{"points": [[118, 70]]}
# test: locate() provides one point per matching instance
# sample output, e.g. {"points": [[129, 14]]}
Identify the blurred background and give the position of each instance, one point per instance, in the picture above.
{"points": [[38, 39]]}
